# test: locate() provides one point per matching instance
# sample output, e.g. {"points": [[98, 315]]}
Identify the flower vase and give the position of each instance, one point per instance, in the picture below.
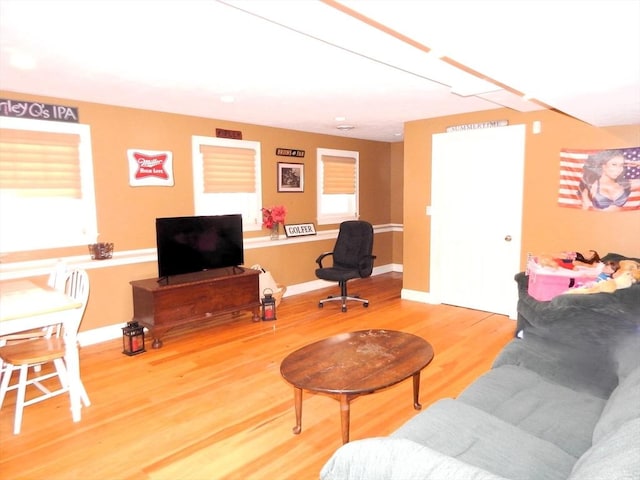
{"points": [[275, 231]]}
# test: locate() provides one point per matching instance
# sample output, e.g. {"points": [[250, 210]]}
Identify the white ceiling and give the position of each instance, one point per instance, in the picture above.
{"points": [[299, 64]]}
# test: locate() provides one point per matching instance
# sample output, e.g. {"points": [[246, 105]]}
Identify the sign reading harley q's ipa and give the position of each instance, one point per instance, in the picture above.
{"points": [[37, 111]]}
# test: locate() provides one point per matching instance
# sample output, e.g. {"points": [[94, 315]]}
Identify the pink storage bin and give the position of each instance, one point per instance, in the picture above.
{"points": [[545, 283]]}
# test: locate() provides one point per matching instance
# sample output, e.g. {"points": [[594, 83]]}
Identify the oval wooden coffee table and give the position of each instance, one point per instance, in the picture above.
{"points": [[349, 365]]}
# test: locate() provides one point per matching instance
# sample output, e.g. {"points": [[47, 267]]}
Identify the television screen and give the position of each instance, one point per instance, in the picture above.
{"points": [[194, 244]]}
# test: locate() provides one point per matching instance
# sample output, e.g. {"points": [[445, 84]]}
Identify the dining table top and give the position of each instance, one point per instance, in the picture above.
{"points": [[23, 299]]}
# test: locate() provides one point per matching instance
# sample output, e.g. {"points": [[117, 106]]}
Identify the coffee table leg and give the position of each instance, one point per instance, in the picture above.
{"points": [[345, 417], [297, 401], [416, 391]]}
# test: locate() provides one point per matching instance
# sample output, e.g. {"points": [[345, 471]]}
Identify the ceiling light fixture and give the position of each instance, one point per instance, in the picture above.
{"points": [[227, 99], [345, 128], [22, 61]]}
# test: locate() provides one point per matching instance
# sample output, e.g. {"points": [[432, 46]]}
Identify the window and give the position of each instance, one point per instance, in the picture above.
{"points": [[338, 188], [226, 179], [47, 197]]}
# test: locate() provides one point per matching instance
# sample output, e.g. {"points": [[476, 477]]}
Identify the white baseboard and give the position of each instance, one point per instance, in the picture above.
{"points": [[111, 332], [102, 334], [417, 296]]}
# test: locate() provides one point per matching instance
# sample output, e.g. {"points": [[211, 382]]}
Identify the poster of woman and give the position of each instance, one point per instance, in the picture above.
{"points": [[600, 180]]}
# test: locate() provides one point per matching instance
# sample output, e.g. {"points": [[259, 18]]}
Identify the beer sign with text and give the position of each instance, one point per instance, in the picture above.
{"points": [[38, 111]]}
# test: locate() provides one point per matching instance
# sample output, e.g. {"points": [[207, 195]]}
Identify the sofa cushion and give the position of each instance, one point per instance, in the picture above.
{"points": [[623, 405], [616, 456], [547, 410], [384, 458], [581, 369], [476, 437]]}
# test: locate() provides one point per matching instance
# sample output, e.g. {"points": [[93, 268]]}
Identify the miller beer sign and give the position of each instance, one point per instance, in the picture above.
{"points": [[150, 168]]}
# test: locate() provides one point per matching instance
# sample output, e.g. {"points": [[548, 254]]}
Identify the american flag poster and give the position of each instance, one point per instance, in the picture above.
{"points": [[600, 180]]}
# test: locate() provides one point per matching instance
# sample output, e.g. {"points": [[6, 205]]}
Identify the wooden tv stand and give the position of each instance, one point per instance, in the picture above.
{"points": [[161, 304]]}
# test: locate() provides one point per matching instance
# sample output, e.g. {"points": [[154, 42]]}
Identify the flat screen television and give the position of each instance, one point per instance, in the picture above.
{"points": [[198, 243]]}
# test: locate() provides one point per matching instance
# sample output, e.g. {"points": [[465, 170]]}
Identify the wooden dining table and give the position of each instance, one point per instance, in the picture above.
{"points": [[25, 306]]}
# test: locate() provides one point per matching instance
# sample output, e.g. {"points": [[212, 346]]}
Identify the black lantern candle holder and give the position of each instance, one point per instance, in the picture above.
{"points": [[133, 339], [268, 305]]}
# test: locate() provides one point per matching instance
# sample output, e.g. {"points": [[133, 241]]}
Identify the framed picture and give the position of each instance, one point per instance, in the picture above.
{"points": [[290, 177]]}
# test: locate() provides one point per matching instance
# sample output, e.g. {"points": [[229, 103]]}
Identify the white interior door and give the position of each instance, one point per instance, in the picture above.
{"points": [[476, 210]]}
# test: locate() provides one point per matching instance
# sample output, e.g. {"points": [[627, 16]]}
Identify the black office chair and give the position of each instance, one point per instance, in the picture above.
{"points": [[352, 258]]}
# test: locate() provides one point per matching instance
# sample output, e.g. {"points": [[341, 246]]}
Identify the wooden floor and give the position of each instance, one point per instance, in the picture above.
{"points": [[211, 403]]}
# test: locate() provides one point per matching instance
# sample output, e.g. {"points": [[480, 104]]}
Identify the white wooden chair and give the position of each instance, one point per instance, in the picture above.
{"points": [[23, 355], [57, 279]]}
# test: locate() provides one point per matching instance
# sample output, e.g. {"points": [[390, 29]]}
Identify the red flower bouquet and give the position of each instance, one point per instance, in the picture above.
{"points": [[273, 215]]}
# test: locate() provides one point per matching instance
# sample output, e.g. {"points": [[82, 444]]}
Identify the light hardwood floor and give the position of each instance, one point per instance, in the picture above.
{"points": [[211, 403]]}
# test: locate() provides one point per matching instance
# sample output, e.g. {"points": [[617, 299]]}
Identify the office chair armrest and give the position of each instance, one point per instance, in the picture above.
{"points": [[365, 265], [322, 255]]}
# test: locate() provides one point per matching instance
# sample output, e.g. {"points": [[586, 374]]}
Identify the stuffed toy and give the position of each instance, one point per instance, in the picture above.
{"points": [[555, 261], [621, 280], [628, 266]]}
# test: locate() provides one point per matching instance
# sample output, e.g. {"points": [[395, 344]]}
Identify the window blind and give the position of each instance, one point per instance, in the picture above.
{"points": [[339, 175], [40, 164], [228, 169]]}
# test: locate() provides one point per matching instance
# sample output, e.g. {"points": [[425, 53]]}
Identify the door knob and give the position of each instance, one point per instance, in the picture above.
{"points": [[507, 238]]}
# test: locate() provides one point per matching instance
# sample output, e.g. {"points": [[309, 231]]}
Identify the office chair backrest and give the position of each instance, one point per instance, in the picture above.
{"points": [[354, 245]]}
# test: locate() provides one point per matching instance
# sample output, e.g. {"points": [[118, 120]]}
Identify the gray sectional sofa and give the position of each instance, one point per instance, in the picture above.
{"points": [[562, 402]]}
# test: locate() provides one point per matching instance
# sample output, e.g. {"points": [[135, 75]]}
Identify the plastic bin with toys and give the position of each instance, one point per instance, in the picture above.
{"points": [[553, 275]]}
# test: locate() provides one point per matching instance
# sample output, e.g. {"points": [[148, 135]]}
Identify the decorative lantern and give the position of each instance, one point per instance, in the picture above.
{"points": [[132, 339], [268, 305]]}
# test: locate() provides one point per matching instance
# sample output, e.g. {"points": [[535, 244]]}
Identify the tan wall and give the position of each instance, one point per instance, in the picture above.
{"points": [[126, 215], [546, 226], [395, 188]]}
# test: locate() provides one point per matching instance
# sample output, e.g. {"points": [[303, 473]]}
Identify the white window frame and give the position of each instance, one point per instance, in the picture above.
{"points": [[247, 204], [337, 208], [42, 225]]}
